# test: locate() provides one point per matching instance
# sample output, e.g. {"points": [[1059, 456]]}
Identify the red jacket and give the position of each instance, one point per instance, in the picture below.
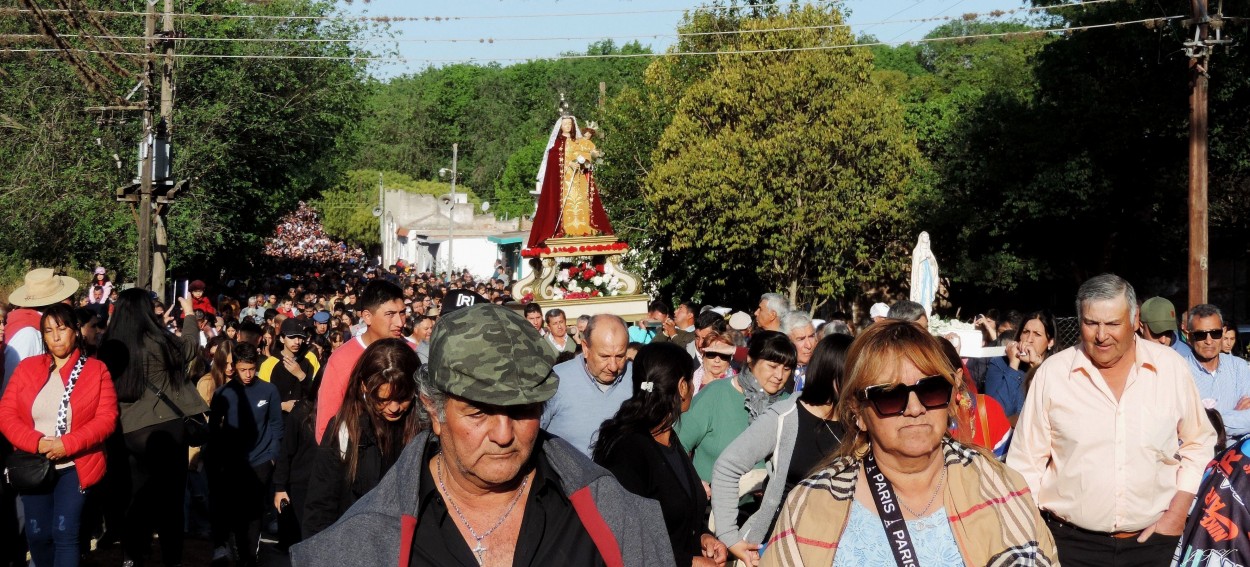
{"points": [[203, 304], [93, 418]]}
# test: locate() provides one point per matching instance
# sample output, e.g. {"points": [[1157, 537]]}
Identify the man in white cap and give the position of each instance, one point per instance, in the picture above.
{"points": [[22, 338]]}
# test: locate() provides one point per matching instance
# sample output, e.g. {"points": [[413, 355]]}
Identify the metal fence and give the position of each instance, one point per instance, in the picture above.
{"points": [[1067, 332]]}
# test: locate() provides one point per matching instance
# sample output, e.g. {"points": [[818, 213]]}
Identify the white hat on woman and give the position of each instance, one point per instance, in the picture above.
{"points": [[43, 287]]}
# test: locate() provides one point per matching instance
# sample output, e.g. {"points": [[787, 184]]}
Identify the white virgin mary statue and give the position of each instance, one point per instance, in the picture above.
{"points": [[924, 274]]}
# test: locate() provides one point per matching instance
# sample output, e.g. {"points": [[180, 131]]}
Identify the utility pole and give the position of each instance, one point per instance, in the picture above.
{"points": [[160, 255], [451, 213], [149, 150], [1199, 51]]}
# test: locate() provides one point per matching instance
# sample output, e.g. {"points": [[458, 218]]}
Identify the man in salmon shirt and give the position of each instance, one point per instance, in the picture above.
{"points": [[381, 307]]}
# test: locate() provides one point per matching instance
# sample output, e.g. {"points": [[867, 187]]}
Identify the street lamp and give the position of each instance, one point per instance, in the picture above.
{"points": [[451, 211]]}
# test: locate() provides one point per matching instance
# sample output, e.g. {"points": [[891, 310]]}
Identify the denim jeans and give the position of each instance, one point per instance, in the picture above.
{"points": [[52, 520]]}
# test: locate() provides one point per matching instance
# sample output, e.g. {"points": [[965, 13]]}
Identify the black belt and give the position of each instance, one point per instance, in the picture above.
{"points": [[1056, 520]]}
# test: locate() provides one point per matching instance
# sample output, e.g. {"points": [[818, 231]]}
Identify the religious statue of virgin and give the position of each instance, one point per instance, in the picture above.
{"points": [[568, 201]]}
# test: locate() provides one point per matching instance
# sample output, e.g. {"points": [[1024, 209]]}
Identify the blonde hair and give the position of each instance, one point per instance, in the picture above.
{"points": [[876, 353]]}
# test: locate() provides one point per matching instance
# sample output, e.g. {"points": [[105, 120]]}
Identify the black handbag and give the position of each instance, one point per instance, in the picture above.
{"points": [[194, 427], [33, 472], [29, 472]]}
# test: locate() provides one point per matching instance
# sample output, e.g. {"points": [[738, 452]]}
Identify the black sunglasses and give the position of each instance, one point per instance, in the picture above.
{"points": [[720, 355], [934, 392], [1199, 336]]}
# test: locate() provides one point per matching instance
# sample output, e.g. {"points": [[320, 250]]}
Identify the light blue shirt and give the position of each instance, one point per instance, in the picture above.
{"points": [[1229, 383], [864, 541], [641, 335], [580, 406]]}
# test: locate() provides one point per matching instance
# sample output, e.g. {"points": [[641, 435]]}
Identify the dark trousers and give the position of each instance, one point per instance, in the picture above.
{"points": [[1080, 548], [248, 499], [52, 520], [12, 544], [289, 518], [158, 478]]}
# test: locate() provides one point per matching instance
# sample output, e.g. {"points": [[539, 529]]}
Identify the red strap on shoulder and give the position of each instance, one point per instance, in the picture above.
{"points": [[407, 531], [592, 520]]}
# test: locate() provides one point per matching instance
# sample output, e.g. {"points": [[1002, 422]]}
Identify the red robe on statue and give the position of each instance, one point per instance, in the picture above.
{"points": [[547, 219]]}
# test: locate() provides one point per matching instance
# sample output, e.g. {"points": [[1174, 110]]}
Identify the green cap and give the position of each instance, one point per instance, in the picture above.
{"points": [[1159, 314], [490, 354]]}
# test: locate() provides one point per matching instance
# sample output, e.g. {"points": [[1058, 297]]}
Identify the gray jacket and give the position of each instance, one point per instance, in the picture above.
{"points": [[770, 437], [378, 530]]}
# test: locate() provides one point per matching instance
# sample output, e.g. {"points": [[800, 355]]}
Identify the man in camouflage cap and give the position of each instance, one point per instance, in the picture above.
{"points": [[485, 485]]}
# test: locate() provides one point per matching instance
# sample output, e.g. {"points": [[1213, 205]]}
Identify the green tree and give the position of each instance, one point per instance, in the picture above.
{"points": [[491, 111], [792, 169], [512, 190], [347, 210], [251, 136]]}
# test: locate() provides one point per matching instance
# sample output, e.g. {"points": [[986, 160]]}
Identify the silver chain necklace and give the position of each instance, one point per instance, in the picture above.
{"points": [[936, 490], [480, 549]]}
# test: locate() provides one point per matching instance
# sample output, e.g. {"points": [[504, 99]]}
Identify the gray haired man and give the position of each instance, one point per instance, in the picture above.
{"points": [[485, 485]]}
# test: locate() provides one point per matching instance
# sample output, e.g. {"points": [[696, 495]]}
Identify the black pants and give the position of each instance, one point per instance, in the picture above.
{"points": [[289, 520], [1079, 548], [157, 457], [247, 499], [12, 544]]}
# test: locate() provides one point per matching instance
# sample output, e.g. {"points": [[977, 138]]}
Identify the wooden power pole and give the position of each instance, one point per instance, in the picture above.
{"points": [[160, 255], [148, 158], [1198, 83], [154, 189], [1199, 51]]}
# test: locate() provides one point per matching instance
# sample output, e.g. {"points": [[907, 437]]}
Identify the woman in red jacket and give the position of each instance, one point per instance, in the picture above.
{"points": [[31, 417]]}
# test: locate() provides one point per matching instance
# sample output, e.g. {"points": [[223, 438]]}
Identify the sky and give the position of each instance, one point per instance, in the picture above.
{"points": [[551, 27]]}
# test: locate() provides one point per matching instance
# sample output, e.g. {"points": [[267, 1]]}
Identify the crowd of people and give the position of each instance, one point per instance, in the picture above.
{"points": [[368, 416], [300, 237]]}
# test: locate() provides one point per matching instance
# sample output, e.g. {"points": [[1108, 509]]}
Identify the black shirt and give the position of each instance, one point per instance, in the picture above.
{"points": [[551, 532], [290, 387], [817, 438]]}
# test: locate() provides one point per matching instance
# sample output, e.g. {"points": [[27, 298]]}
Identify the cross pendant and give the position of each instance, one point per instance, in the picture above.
{"points": [[479, 550]]}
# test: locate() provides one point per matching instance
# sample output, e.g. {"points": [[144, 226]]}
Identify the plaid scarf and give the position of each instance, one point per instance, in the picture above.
{"points": [[991, 513]]}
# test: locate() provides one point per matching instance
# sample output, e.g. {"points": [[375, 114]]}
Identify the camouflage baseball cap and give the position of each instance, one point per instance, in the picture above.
{"points": [[491, 354]]}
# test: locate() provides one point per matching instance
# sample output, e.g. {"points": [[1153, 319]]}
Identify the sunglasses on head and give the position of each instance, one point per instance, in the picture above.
{"points": [[720, 355], [1199, 336], [934, 392]]}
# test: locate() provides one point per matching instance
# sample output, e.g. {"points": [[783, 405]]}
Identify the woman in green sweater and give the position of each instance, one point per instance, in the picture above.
{"points": [[723, 409]]}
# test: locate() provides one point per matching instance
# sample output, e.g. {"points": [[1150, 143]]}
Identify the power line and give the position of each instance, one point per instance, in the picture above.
{"points": [[490, 40], [1026, 33], [909, 30], [391, 19]]}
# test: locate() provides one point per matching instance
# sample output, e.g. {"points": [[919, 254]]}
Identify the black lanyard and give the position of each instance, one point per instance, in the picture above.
{"points": [[891, 514]]}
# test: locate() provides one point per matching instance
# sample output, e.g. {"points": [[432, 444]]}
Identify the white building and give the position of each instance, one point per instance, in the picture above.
{"points": [[417, 228]]}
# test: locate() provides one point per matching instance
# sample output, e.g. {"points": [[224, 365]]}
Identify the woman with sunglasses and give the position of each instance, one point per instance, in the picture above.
{"points": [[794, 436], [725, 408], [366, 436], [945, 503], [718, 352]]}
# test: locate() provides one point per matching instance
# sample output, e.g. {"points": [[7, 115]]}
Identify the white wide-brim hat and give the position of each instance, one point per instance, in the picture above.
{"points": [[43, 287]]}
